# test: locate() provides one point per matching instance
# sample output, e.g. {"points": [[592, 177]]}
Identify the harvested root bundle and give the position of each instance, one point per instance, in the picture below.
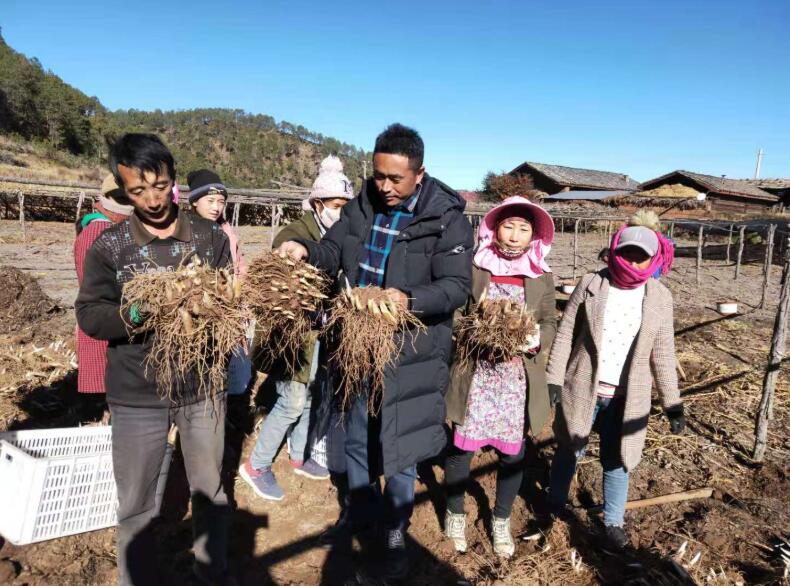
{"points": [[496, 330], [369, 331], [282, 294], [195, 318]]}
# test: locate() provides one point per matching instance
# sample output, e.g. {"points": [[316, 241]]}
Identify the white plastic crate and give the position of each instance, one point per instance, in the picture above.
{"points": [[56, 482]]}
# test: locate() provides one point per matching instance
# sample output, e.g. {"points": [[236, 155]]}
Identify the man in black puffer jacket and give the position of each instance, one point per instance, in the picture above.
{"points": [[405, 232]]}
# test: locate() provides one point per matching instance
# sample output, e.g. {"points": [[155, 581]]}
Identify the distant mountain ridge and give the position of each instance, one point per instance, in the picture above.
{"points": [[247, 150]]}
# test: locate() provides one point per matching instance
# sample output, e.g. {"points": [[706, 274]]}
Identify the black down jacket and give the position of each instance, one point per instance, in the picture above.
{"points": [[430, 261]]}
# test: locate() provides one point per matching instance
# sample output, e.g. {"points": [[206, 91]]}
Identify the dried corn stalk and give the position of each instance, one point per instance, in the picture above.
{"points": [[496, 330], [195, 319], [283, 294], [368, 332]]}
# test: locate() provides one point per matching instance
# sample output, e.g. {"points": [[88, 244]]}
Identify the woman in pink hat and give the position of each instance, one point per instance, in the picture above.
{"points": [[498, 404]]}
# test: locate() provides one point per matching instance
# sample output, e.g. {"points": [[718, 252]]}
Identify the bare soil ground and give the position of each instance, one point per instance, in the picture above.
{"points": [[735, 531]]}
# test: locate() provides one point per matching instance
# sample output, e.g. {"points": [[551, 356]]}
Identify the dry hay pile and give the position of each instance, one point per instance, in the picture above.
{"points": [[364, 323], [283, 295], [495, 330], [196, 319], [685, 197], [26, 366], [556, 562]]}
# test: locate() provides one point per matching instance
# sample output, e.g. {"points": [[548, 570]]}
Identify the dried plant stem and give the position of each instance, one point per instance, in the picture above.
{"points": [[368, 331], [195, 320]]}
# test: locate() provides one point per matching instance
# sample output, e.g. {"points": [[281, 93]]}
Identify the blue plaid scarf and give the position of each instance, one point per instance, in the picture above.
{"points": [[385, 229]]}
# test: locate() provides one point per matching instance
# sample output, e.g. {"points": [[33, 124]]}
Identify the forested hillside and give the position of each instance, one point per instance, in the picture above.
{"points": [[248, 150]]}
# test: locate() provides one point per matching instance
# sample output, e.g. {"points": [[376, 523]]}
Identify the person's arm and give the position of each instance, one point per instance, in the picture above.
{"points": [[98, 305], [222, 255], [325, 254], [663, 360], [548, 308], [451, 271], [82, 244], [563, 341]]}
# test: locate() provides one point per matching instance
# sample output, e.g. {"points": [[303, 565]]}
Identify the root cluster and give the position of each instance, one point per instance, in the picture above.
{"points": [[496, 330], [195, 319], [368, 331], [283, 295]]}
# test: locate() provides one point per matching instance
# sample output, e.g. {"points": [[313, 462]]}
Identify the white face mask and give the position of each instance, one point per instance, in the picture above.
{"points": [[329, 216]]}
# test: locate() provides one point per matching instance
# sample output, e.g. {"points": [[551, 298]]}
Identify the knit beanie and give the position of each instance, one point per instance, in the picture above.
{"points": [[330, 183], [203, 181]]}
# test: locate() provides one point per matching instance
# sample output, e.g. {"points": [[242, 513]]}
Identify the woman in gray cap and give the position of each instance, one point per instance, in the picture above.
{"points": [[615, 340]]}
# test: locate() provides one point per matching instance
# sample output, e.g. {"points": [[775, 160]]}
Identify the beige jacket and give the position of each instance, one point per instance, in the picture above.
{"points": [[573, 364]]}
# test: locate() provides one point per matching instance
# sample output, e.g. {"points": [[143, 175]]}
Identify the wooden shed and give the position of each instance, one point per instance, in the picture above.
{"points": [[556, 178], [723, 195]]}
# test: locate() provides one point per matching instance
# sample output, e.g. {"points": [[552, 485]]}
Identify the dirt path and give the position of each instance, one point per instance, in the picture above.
{"points": [[275, 543]]}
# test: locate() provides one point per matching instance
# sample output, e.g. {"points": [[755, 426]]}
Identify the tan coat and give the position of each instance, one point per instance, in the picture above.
{"points": [[573, 364], [539, 295]]}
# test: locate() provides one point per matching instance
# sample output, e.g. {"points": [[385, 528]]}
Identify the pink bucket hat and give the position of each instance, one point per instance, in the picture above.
{"points": [[542, 224]]}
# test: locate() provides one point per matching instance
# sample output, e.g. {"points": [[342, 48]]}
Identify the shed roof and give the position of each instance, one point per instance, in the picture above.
{"points": [[715, 184], [575, 177]]}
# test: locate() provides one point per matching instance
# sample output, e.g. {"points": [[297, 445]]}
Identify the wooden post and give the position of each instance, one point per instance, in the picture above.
{"points": [[272, 228], [778, 340], [21, 202], [235, 219], [769, 253], [575, 245], [80, 200], [729, 242], [741, 236], [699, 253], [671, 230], [562, 225]]}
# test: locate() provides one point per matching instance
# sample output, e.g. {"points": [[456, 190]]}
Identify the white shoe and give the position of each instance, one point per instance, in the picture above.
{"points": [[455, 529], [503, 540]]}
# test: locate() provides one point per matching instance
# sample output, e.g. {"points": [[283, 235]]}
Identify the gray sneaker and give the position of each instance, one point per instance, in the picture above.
{"points": [[503, 540], [262, 481], [310, 469], [455, 529]]}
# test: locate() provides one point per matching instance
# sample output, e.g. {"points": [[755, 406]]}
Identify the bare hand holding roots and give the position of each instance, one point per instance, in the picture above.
{"points": [[494, 330], [283, 295], [369, 330], [195, 317]]}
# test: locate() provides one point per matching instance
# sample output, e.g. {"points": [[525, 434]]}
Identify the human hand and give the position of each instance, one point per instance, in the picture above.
{"points": [[532, 343], [139, 313], [293, 250], [398, 297], [555, 393]]}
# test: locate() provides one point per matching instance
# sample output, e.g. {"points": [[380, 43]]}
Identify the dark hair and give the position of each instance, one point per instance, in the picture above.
{"points": [[398, 139], [145, 152]]}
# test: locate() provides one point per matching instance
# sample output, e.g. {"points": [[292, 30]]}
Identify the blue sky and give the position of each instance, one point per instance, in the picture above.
{"points": [[635, 87]]}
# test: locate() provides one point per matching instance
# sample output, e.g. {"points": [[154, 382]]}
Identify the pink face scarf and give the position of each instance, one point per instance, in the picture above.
{"points": [[531, 263], [626, 276]]}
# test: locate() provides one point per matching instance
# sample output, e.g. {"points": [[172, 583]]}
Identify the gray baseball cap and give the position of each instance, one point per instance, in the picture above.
{"points": [[641, 237]]}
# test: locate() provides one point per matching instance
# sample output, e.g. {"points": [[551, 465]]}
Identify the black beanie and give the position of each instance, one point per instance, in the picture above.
{"points": [[201, 182]]}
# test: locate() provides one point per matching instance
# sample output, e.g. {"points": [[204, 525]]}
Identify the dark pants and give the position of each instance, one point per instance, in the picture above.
{"points": [[139, 439], [363, 466], [510, 472]]}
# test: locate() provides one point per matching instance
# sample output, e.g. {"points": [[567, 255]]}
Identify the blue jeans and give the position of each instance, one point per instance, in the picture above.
{"points": [[291, 412], [239, 371], [608, 422], [363, 462]]}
